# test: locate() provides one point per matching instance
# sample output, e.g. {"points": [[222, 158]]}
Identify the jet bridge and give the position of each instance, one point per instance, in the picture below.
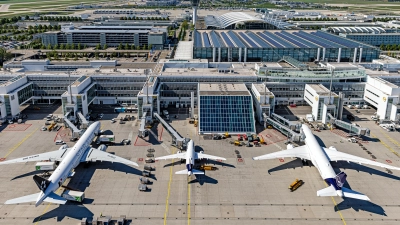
{"points": [[83, 121], [286, 122], [177, 140], [67, 123], [142, 130], [292, 135], [348, 126]]}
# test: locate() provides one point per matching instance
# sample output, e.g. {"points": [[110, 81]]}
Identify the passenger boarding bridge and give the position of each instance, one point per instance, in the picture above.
{"points": [[67, 123], [348, 126], [177, 140]]}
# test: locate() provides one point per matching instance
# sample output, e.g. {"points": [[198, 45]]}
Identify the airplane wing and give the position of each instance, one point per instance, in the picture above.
{"points": [[205, 156], [52, 198], [340, 156], [52, 156], [97, 155], [173, 156], [298, 152]]}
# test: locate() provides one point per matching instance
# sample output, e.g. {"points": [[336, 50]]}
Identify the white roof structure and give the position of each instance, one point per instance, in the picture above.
{"points": [[184, 50], [228, 19], [377, 30]]}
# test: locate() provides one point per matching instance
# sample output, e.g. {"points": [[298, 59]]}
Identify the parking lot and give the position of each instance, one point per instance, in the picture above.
{"points": [[239, 192]]}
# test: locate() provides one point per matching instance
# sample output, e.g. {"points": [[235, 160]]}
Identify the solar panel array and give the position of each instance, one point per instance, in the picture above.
{"points": [[279, 40], [250, 42], [315, 38], [270, 40], [216, 40], [257, 39], [236, 39], [228, 42], [307, 37], [205, 40], [294, 39], [266, 39], [338, 39], [197, 39]]}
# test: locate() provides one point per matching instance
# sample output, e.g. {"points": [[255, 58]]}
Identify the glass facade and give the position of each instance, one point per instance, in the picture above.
{"points": [[220, 114]]}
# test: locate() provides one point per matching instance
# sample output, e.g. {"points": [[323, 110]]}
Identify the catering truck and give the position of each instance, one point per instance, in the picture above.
{"points": [[76, 196], [106, 139]]}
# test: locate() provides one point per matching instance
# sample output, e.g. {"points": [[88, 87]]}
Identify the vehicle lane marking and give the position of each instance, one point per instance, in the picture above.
{"points": [[169, 191], [20, 143], [391, 139], [387, 146]]}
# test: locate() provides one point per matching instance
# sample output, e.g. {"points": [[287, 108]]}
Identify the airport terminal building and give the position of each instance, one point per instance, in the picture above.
{"points": [[258, 87], [273, 45]]}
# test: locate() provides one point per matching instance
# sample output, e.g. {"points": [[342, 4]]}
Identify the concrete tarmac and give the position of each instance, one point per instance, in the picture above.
{"points": [[239, 192]]}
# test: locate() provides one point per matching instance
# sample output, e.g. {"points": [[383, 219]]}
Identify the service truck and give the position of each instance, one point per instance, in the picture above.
{"points": [[76, 196], [106, 139], [46, 166]]}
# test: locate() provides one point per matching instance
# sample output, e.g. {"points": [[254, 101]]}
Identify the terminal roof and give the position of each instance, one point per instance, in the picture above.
{"points": [[223, 89]]}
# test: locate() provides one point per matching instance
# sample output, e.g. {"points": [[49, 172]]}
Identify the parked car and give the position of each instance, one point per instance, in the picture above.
{"points": [[60, 142]]}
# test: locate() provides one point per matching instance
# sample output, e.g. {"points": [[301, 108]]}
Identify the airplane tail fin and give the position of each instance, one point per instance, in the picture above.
{"points": [[328, 191], [353, 194], [52, 198], [41, 182]]}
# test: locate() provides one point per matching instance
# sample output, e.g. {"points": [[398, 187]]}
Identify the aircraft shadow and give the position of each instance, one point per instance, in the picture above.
{"points": [[202, 179], [357, 205], [35, 172], [73, 210], [175, 163], [295, 163], [215, 162], [353, 166], [84, 173]]}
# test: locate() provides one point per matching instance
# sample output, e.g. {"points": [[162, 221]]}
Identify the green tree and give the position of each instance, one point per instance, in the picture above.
{"points": [[79, 46], [62, 46], [27, 17], [98, 46], [49, 46], [119, 46], [126, 46], [132, 47], [105, 46]]}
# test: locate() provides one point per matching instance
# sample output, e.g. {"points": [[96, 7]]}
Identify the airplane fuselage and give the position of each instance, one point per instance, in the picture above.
{"points": [[320, 159], [71, 160], [190, 157]]}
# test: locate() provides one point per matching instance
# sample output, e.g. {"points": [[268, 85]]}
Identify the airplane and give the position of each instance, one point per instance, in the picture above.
{"points": [[190, 155], [321, 158], [69, 158]]}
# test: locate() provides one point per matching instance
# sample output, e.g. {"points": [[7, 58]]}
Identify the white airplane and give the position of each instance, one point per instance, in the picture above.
{"points": [[69, 158], [190, 155], [321, 158]]}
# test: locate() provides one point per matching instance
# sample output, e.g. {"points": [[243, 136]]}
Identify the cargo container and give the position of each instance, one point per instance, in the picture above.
{"points": [[45, 166], [76, 196], [106, 139]]}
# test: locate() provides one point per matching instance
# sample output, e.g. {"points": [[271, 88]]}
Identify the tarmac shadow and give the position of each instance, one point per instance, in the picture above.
{"points": [[357, 205], [68, 210], [353, 166], [202, 179], [35, 172], [218, 163], [296, 163]]}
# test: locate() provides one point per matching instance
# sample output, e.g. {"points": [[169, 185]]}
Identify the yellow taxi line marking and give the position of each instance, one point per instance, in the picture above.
{"points": [[169, 191], [337, 208], [20, 143], [391, 139], [387, 146], [188, 207]]}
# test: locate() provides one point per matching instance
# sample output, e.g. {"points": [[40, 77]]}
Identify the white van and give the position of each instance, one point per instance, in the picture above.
{"points": [[309, 118], [60, 142], [124, 105]]}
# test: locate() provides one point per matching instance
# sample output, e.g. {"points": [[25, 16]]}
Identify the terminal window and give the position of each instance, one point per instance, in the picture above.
{"points": [[219, 114]]}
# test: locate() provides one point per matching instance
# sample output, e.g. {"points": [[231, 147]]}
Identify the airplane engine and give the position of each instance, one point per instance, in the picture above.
{"points": [[65, 146], [289, 146], [102, 148], [332, 148]]}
